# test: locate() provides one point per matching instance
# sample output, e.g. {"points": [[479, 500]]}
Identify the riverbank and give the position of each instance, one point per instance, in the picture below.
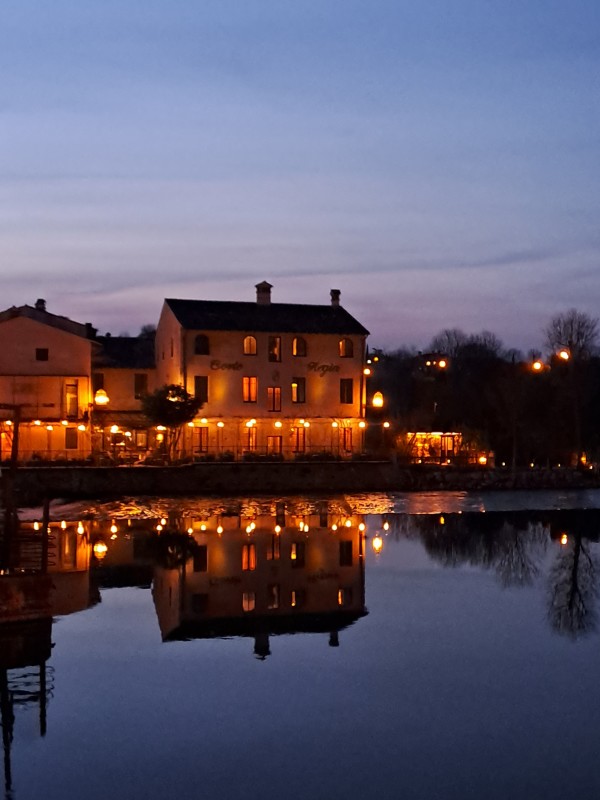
{"points": [[35, 483]]}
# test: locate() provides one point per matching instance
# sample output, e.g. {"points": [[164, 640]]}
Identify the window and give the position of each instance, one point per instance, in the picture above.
{"points": [[298, 390], [201, 558], [347, 439], [248, 601], [140, 384], [251, 439], [298, 598], [273, 595], [274, 398], [248, 557], [141, 439], [70, 438], [200, 439], [41, 354], [299, 437], [71, 399], [274, 445], [298, 554], [201, 388], [344, 596], [199, 603], [249, 389], [345, 554], [201, 345], [298, 346], [274, 348], [346, 390], [97, 381], [68, 549], [346, 348], [280, 514], [249, 346], [273, 548]]}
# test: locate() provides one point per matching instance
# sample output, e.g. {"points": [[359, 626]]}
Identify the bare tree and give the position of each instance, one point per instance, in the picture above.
{"points": [[573, 331]]}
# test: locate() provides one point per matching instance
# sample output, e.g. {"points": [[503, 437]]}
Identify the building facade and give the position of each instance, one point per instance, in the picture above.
{"points": [[275, 379]]}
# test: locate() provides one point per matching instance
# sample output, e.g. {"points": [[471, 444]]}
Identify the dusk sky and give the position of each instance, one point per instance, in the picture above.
{"points": [[436, 160]]}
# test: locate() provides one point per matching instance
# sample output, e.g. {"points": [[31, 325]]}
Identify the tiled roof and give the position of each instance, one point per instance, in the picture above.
{"points": [[133, 352], [84, 330], [226, 315]]}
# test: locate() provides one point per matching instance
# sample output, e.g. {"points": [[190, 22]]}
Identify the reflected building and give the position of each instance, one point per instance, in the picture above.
{"points": [[261, 576], [25, 680]]}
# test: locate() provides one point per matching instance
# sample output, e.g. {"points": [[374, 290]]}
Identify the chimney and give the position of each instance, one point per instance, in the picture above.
{"points": [[335, 297], [40, 305], [263, 293]]}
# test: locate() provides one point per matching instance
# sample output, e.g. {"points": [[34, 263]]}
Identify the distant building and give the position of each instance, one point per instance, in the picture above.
{"points": [[45, 370]]}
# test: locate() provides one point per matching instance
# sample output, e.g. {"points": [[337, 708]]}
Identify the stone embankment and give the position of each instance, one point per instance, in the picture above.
{"points": [[226, 479]]}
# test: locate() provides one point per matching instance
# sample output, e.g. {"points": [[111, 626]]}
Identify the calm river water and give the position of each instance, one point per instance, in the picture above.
{"points": [[264, 649]]}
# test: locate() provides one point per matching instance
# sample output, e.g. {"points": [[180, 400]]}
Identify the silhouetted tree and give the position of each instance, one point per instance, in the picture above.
{"points": [[172, 407], [573, 589]]}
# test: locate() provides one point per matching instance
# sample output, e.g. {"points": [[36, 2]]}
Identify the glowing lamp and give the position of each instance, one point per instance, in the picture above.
{"points": [[377, 400], [377, 544], [101, 398], [100, 550]]}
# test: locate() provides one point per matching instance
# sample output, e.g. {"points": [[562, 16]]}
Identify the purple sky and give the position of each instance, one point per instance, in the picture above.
{"points": [[439, 162]]}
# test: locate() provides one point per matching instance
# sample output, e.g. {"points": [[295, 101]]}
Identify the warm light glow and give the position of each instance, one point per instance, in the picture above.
{"points": [[160, 428], [564, 539], [114, 536], [377, 400], [63, 525], [128, 434], [442, 364], [101, 398], [48, 427], [219, 529], [248, 528], [37, 421], [81, 428], [203, 527], [113, 528], [163, 521], [348, 523], [377, 544], [190, 424], [114, 428], [277, 528], [334, 527], [159, 527], [532, 465], [386, 526], [220, 424], [100, 549], [482, 460], [442, 521], [64, 422], [36, 526], [537, 366], [362, 526], [386, 424], [203, 421], [564, 354], [159, 437], [249, 424], [307, 424], [366, 371], [190, 531], [80, 529], [362, 424], [334, 425], [278, 424]]}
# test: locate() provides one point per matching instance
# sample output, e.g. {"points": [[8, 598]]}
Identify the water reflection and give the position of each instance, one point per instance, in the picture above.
{"points": [[260, 576]]}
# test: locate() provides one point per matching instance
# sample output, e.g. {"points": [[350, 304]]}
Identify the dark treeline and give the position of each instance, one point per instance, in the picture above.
{"points": [[526, 408]]}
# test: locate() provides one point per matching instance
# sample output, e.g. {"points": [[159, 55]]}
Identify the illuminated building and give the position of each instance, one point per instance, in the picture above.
{"points": [[275, 379]]}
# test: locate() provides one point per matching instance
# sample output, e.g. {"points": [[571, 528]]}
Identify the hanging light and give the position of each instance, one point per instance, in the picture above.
{"points": [[377, 544], [101, 398], [99, 550]]}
